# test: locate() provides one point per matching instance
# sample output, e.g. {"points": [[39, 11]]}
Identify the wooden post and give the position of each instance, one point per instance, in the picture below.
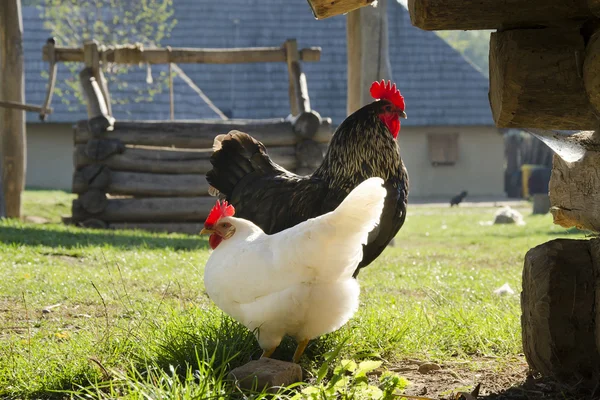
{"points": [[12, 121], [368, 54], [291, 51]]}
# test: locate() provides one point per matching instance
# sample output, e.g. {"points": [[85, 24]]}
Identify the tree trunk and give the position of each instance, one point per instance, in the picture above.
{"points": [[12, 121], [368, 54]]}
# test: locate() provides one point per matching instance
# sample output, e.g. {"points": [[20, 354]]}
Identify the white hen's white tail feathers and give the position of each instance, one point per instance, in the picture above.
{"points": [[331, 245], [362, 207]]}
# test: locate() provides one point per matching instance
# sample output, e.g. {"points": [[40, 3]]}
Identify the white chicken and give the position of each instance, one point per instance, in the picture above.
{"points": [[298, 281]]}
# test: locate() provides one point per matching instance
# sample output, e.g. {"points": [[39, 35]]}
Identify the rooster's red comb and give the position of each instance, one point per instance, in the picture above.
{"points": [[220, 210], [379, 90]]}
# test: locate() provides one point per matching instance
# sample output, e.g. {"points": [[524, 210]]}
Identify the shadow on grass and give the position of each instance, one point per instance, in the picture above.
{"points": [[44, 235], [544, 389]]}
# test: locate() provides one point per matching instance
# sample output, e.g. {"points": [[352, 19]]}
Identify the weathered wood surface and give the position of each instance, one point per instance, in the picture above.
{"points": [[50, 43], [574, 192], [535, 80], [24, 107], [167, 160], [591, 66], [329, 8], [99, 119], [494, 14], [199, 134], [291, 56], [12, 121], [140, 184], [189, 228], [131, 54], [558, 310], [157, 209], [368, 53]]}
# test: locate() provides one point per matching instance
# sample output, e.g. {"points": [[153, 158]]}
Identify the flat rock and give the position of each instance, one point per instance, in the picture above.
{"points": [[266, 372], [428, 367]]}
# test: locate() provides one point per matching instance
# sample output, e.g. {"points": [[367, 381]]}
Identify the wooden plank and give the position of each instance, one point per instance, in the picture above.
{"points": [[146, 184], [50, 43], [12, 121], [136, 55], [329, 8], [99, 119], [189, 228], [200, 134], [574, 192], [24, 107], [535, 80], [493, 14], [170, 161], [291, 50], [368, 53], [153, 209]]}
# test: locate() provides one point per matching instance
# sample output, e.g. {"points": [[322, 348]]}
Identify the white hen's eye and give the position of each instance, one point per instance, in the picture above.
{"points": [[225, 225]]}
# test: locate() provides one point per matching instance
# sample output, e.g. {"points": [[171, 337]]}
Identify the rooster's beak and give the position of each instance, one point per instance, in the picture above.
{"points": [[403, 115], [206, 231]]}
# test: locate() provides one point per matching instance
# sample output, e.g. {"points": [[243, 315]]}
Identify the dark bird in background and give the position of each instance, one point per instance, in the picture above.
{"points": [[456, 200], [362, 147]]}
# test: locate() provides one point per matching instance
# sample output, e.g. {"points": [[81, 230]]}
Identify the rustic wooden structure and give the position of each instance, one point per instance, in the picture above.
{"points": [[151, 174], [12, 120], [544, 63], [328, 8]]}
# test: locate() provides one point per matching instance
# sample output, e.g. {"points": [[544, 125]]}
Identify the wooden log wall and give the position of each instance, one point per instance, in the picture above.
{"points": [[151, 175]]}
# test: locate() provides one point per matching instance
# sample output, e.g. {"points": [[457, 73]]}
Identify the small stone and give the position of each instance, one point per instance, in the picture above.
{"points": [[428, 367], [266, 372]]}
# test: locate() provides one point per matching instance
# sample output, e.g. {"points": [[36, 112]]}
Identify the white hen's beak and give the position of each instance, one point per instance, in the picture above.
{"points": [[206, 231], [402, 115]]}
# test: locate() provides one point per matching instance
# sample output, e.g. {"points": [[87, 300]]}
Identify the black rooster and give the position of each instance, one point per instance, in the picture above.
{"points": [[363, 146]]}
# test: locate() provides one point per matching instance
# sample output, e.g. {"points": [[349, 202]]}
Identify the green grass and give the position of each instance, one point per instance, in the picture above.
{"points": [[134, 320]]}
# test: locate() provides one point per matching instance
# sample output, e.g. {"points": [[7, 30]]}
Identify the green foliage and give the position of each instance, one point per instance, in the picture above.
{"points": [[474, 45], [350, 380], [109, 22]]}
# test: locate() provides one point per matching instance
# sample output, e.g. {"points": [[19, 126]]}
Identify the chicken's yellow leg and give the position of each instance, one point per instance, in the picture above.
{"points": [[299, 350], [267, 352]]}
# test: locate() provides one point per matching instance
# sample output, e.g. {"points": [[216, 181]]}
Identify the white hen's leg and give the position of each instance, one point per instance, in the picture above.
{"points": [[300, 350], [268, 352]]}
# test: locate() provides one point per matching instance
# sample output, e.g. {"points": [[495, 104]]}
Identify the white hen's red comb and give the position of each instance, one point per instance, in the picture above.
{"points": [[220, 210], [379, 90]]}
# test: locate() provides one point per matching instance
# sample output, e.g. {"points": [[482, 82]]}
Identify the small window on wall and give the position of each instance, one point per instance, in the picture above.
{"points": [[443, 148]]}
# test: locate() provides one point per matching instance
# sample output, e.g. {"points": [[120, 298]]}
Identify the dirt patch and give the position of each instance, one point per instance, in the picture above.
{"points": [[501, 379]]}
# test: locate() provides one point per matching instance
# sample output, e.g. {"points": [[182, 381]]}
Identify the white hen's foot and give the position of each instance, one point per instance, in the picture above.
{"points": [[300, 350], [268, 352]]}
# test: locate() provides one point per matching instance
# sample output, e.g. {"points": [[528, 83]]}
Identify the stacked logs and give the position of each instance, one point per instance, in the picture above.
{"points": [[151, 175]]}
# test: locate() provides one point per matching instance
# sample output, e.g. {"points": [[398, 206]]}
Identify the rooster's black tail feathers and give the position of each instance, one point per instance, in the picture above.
{"points": [[235, 156]]}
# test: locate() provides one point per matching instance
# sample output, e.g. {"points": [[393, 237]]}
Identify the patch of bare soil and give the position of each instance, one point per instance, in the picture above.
{"points": [[500, 380]]}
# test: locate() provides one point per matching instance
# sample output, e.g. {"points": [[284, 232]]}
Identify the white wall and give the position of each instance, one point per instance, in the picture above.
{"points": [[49, 156], [479, 168]]}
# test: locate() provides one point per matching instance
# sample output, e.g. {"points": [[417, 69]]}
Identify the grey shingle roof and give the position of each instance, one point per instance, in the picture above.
{"points": [[439, 85]]}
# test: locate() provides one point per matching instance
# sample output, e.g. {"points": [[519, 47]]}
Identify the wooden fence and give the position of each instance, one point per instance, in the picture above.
{"points": [[151, 174]]}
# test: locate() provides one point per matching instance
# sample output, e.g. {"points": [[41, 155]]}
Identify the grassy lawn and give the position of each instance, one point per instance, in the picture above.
{"points": [[105, 314]]}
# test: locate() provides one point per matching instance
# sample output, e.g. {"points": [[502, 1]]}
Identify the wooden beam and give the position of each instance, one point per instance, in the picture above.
{"points": [[573, 192], [199, 135], [493, 14], [12, 121], [24, 107], [536, 80], [52, 68], [168, 160], [291, 56], [368, 53], [99, 118], [131, 54], [141, 184], [329, 8]]}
